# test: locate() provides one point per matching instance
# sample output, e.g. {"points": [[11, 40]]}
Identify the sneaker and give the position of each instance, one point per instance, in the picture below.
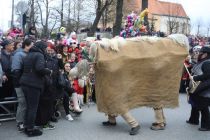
{"points": [[69, 117], [158, 126], [20, 127], [135, 130], [33, 132], [48, 127], [108, 123]]}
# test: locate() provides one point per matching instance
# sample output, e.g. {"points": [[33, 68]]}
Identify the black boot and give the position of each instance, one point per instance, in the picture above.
{"points": [[134, 130], [204, 129], [108, 123], [53, 119], [33, 132], [192, 123]]}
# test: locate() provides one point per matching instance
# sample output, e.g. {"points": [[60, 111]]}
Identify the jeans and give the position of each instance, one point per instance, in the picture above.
{"points": [[32, 96], [21, 109]]}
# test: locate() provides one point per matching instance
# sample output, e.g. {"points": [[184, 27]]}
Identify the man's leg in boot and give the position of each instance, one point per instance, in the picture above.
{"points": [[160, 122], [132, 122], [111, 121]]}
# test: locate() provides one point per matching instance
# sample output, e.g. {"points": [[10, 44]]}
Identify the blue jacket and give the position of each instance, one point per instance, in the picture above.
{"points": [[17, 59], [17, 66]]}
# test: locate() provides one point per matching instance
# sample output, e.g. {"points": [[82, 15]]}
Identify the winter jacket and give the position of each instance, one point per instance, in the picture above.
{"points": [[34, 69], [203, 89], [72, 63], [17, 65], [67, 84], [6, 63], [17, 59], [54, 64], [1, 75]]}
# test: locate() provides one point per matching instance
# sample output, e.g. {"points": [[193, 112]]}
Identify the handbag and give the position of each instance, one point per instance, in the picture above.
{"points": [[192, 85]]}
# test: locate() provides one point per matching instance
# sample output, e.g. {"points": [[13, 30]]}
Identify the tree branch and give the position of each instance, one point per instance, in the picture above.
{"points": [[40, 9]]}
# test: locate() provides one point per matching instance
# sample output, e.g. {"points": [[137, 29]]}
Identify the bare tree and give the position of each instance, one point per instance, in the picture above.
{"points": [[13, 8], [53, 22], [77, 13], [152, 24], [101, 6], [69, 25], [199, 23], [208, 29], [173, 18], [60, 11], [109, 15], [118, 18], [44, 11], [32, 13]]}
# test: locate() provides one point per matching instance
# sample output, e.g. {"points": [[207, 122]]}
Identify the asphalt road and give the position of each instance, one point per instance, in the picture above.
{"points": [[88, 127]]}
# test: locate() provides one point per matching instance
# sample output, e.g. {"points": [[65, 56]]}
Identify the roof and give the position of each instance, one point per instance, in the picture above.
{"points": [[157, 7]]}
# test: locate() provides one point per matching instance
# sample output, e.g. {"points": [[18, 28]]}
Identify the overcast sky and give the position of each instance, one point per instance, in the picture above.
{"points": [[197, 10]]}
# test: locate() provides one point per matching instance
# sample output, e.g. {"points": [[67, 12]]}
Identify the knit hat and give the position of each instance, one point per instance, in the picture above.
{"points": [[50, 45]]}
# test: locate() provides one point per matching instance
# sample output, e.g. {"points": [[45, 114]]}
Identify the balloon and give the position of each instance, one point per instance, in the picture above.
{"points": [[144, 13], [134, 24], [63, 30]]}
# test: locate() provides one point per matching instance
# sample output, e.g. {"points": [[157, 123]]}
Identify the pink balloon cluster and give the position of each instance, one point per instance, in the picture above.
{"points": [[132, 27]]}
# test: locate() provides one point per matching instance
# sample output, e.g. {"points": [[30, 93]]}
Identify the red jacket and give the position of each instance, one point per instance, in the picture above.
{"points": [[185, 74], [77, 88]]}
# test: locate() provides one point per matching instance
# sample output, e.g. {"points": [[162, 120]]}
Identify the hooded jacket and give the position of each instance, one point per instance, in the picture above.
{"points": [[34, 69]]}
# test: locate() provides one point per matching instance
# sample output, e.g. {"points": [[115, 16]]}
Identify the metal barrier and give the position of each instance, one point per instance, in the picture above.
{"points": [[8, 113]]}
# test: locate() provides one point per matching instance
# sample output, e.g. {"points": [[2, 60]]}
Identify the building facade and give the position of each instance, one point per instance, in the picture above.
{"points": [[166, 17]]}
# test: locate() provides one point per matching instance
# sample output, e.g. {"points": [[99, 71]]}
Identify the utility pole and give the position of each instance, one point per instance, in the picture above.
{"points": [[12, 20], [198, 32]]}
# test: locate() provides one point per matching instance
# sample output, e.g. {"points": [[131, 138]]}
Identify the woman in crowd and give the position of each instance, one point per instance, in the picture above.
{"points": [[17, 44], [72, 60], [51, 89], [200, 98], [68, 92], [6, 59], [65, 54]]}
